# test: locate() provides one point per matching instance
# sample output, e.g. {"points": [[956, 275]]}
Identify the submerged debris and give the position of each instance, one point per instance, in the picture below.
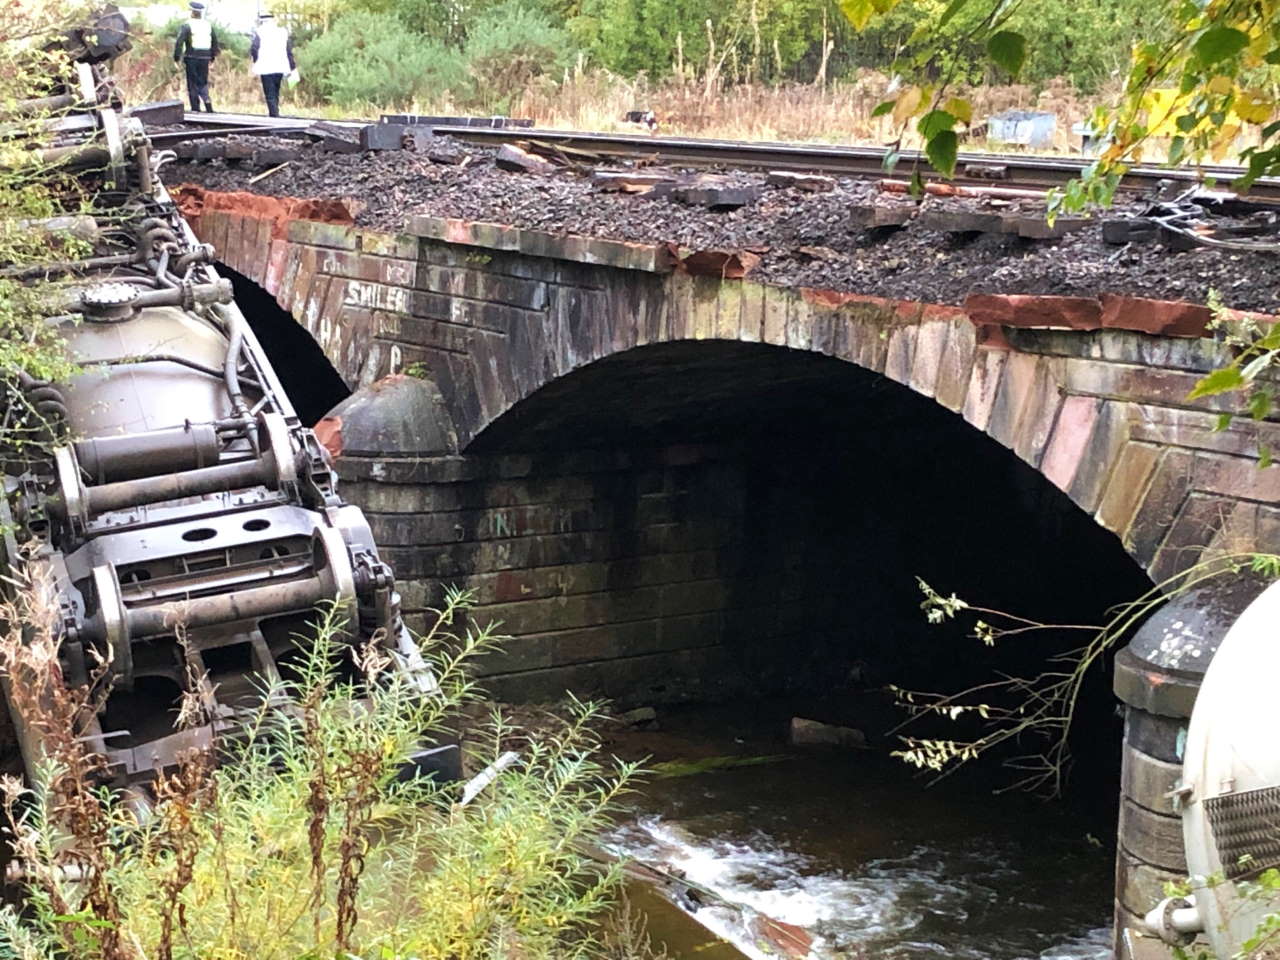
{"points": [[813, 733]]}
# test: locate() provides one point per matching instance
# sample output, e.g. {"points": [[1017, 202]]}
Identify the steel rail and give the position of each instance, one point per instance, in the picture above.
{"points": [[220, 120], [972, 168], [164, 138], [837, 160]]}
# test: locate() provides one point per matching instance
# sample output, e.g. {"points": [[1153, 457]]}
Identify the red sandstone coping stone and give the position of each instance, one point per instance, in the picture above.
{"points": [[1109, 311], [1170, 318], [1021, 310], [646, 257]]}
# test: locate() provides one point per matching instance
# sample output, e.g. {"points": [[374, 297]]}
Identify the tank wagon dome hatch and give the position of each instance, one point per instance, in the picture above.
{"points": [[178, 492]]}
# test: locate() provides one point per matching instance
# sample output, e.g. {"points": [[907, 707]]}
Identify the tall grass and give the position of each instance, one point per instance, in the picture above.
{"points": [[302, 838]]}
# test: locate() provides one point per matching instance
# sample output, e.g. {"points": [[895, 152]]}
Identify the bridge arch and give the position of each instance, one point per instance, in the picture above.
{"points": [[1093, 395], [313, 385], [1094, 430], [478, 324], [760, 514]]}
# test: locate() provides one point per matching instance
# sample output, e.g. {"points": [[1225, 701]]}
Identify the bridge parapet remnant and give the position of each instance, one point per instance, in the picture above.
{"points": [[492, 313]]}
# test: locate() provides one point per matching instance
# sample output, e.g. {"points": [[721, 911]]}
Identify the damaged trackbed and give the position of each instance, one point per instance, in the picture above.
{"points": [[853, 238]]}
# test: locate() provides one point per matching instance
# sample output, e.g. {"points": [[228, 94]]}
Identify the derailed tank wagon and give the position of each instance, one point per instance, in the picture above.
{"points": [[188, 523]]}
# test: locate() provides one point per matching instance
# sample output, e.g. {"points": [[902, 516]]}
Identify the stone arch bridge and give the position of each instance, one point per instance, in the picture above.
{"points": [[552, 421]]}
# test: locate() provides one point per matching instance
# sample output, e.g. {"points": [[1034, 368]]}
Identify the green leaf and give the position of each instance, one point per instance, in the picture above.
{"points": [[917, 184], [890, 161], [1219, 43], [1224, 421], [942, 149], [1220, 381], [1260, 405], [954, 7], [1008, 49], [860, 12], [1258, 364], [1271, 339], [883, 108], [1264, 456], [959, 108], [934, 122]]}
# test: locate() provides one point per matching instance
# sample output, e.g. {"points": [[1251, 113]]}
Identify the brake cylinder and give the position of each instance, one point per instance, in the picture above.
{"points": [[157, 452]]}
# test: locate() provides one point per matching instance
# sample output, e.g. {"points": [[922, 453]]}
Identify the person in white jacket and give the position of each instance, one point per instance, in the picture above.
{"points": [[272, 54]]}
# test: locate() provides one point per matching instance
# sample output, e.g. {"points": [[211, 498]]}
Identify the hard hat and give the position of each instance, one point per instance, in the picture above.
{"points": [[197, 6]]}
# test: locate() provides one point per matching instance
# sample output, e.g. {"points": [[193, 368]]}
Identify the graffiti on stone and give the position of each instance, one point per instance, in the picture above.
{"points": [[375, 296]]}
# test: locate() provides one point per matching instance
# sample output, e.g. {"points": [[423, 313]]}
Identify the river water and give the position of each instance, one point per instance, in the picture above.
{"points": [[856, 852]]}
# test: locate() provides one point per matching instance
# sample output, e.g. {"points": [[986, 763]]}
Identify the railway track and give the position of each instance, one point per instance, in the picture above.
{"points": [[848, 161]]}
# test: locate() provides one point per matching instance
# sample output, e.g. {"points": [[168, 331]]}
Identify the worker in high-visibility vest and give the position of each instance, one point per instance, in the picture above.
{"points": [[196, 47], [272, 53]]}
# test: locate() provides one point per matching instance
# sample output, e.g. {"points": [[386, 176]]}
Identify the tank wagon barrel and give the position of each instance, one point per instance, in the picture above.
{"points": [[186, 521]]}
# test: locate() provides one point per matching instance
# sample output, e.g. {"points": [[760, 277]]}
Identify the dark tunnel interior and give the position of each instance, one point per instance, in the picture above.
{"points": [[309, 379], [853, 486]]}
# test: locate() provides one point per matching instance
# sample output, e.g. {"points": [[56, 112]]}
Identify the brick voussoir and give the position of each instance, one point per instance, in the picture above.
{"points": [[645, 257]]}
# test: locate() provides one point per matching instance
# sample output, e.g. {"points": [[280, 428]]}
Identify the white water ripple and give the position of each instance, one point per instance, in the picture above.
{"points": [[896, 909]]}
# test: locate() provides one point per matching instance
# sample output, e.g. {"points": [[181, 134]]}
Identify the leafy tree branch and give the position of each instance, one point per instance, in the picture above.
{"points": [[1036, 711]]}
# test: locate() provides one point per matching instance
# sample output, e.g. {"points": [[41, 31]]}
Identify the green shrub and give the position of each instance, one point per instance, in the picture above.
{"points": [[510, 46], [1063, 42], [370, 58]]}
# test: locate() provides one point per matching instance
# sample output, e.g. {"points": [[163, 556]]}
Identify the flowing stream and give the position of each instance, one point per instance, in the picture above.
{"points": [[852, 850]]}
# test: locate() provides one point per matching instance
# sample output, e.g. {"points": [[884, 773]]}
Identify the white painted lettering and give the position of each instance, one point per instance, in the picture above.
{"points": [[375, 296]]}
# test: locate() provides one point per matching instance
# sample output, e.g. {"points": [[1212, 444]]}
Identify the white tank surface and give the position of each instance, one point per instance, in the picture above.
{"points": [[1230, 792], [114, 396]]}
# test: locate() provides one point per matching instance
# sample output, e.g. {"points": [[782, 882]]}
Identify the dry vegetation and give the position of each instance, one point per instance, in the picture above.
{"points": [[586, 98]]}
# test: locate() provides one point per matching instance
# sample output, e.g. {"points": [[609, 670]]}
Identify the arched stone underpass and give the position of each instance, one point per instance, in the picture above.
{"points": [[717, 520], [313, 385], [797, 500], [1090, 393]]}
